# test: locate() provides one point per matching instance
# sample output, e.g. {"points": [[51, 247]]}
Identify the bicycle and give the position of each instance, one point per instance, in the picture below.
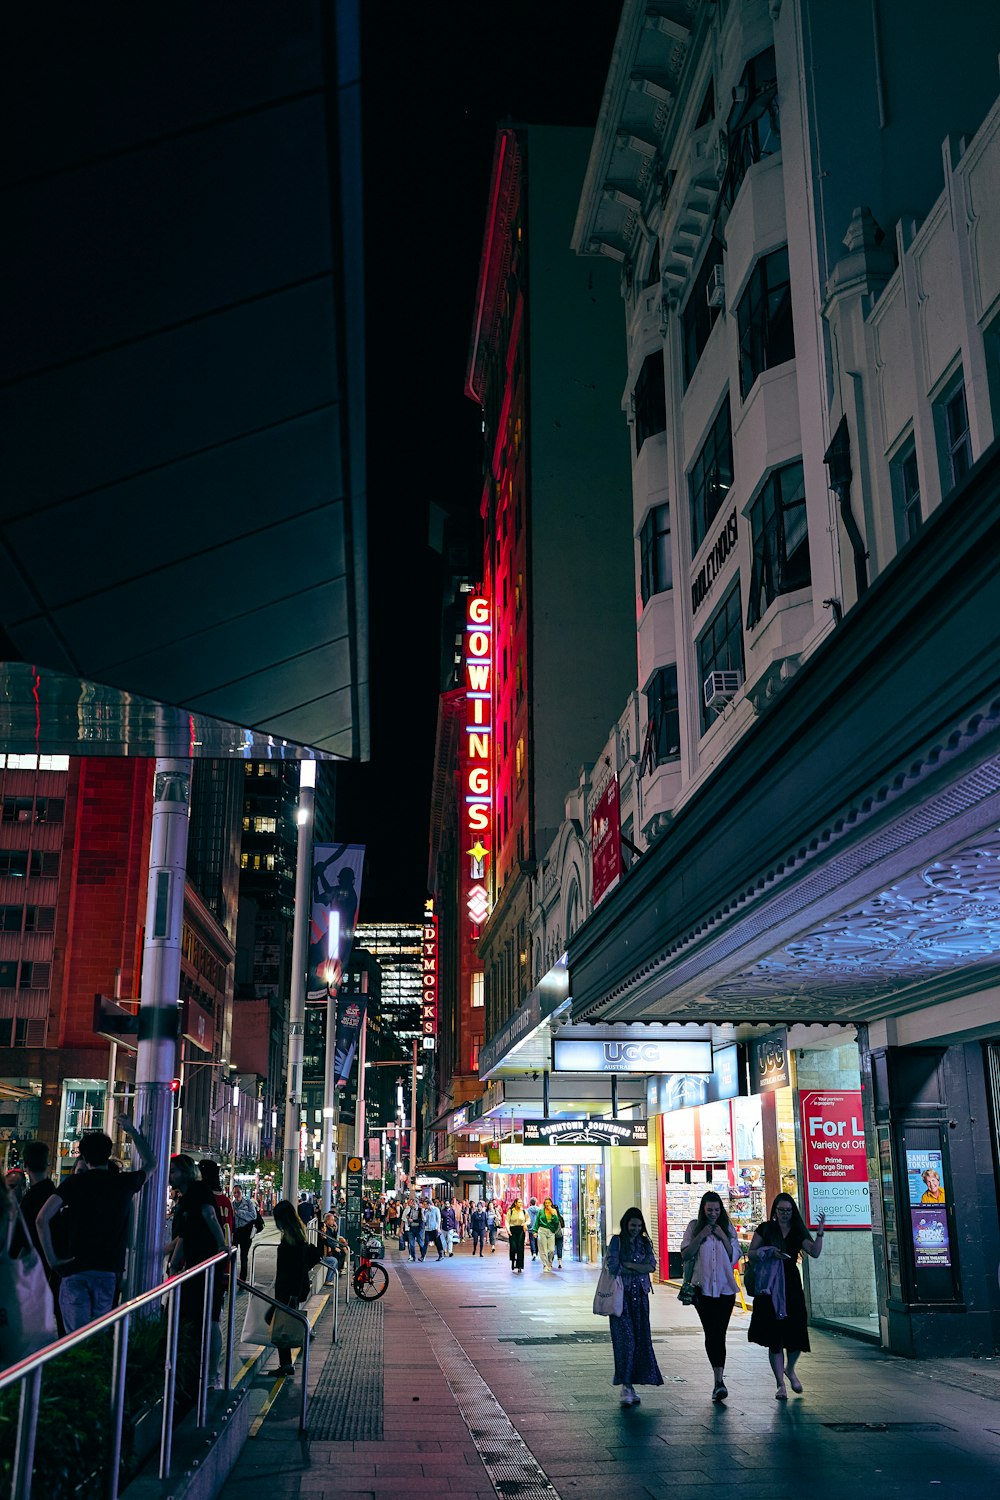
{"points": [[370, 1280]]}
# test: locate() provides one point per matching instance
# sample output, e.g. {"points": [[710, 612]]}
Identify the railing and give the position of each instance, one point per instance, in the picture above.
{"points": [[303, 1318], [29, 1371]]}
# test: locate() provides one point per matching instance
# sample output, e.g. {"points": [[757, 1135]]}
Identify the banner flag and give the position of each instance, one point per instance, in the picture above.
{"points": [[336, 898]]}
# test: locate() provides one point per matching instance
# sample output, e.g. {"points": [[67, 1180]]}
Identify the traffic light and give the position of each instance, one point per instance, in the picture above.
{"points": [[175, 1086]]}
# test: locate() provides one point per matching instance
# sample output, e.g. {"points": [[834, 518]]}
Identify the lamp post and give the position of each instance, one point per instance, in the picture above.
{"points": [[297, 997]]}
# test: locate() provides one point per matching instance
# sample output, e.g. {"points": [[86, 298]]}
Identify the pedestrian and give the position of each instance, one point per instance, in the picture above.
{"points": [[517, 1224], [477, 1227], [630, 1256], [533, 1210], [247, 1221], [198, 1235], [98, 1204], [710, 1249], [413, 1224], [333, 1247], [307, 1208], [560, 1236], [431, 1229], [449, 1224], [492, 1224], [296, 1258], [40, 1188], [778, 1321], [546, 1227], [17, 1184]]}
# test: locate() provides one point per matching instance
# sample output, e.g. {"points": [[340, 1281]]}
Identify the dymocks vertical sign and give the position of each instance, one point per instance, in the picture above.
{"points": [[429, 976]]}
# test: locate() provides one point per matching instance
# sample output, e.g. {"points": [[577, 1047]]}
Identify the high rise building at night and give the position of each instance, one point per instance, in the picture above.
{"points": [[396, 947], [551, 634]]}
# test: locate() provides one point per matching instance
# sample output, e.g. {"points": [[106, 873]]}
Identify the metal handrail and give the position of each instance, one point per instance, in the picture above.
{"points": [[30, 1372], [301, 1317]]}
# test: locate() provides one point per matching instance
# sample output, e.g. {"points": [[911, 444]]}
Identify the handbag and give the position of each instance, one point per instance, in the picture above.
{"points": [[689, 1293], [609, 1298], [27, 1312], [286, 1332], [256, 1329], [748, 1276], [259, 1224]]}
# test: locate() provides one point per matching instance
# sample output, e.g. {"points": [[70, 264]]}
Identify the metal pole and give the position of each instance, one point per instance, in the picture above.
{"points": [[169, 1385], [117, 1405], [297, 998], [231, 1320], [413, 1119], [359, 1107], [109, 1098], [329, 1101], [178, 1107], [27, 1429], [158, 1009]]}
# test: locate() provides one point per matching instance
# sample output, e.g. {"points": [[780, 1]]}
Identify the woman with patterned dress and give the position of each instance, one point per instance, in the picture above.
{"points": [[630, 1256], [779, 1318]]}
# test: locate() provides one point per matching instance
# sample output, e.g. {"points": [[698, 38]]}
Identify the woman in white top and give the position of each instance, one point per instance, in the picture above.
{"points": [[710, 1250]]}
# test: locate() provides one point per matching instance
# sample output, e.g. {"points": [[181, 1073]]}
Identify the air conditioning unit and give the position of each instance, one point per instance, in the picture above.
{"points": [[721, 688], [716, 289]]}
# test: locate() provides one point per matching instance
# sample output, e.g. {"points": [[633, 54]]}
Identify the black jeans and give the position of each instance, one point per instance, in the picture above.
{"points": [[516, 1235], [478, 1236], [715, 1313]]}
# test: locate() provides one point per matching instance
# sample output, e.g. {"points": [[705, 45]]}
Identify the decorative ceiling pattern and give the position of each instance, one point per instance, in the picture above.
{"points": [[943, 918]]}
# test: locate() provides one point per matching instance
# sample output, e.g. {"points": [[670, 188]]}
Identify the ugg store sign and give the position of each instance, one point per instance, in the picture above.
{"points": [[629, 1055]]}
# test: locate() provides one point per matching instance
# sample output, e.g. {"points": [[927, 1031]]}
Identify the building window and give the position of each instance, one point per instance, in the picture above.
{"points": [[50, 809], [265, 825], [35, 976], [655, 567], [707, 111], [952, 415], [752, 129], [663, 714], [477, 991], [650, 397], [653, 272], [477, 1042], [764, 319], [39, 918], [519, 762], [11, 918], [906, 494], [14, 862], [699, 316], [44, 866], [17, 809], [711, 476], [779, 540], [8, 974], [720, 648]]}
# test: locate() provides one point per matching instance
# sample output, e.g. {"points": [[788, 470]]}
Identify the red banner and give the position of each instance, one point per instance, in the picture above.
{"points": [[606, 841]]}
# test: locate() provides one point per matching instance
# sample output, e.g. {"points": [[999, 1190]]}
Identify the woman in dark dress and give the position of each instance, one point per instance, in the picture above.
{"points": [[630, 1256], [778, 1321], [296, 1258]]}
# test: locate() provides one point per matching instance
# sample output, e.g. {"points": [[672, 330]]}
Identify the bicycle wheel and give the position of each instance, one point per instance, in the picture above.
{"points": [[371, 1283]]}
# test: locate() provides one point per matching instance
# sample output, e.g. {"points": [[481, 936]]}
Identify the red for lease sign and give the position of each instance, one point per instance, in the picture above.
{"points": [[834, 1159]]}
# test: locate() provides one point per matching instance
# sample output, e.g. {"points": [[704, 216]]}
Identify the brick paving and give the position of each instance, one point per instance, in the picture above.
{"points": [[867, 1423]]}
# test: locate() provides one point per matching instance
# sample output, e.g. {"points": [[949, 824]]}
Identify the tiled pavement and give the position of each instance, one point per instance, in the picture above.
{"points": [[459, 1334]]}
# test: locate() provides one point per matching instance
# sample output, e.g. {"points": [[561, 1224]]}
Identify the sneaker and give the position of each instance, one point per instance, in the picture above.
{"points": [[720, 1393], [627, 1396]]}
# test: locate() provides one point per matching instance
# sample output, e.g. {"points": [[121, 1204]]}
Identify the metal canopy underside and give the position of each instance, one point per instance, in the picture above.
{"points": [[182, 519]]}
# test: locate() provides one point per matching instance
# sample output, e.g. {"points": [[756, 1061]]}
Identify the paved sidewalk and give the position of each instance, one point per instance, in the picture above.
{"points": [[500, 1385]]}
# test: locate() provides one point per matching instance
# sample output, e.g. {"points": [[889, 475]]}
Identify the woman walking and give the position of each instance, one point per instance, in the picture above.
{"points": [[477, 1224], [296, 1258], [492, 1224], [546, 1228], [710, 1250], [630, 1256], [778, 1321], [517, 1223]]}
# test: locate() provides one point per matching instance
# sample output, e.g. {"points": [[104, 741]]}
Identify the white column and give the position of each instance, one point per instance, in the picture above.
{"points": [[159, 1012], [297, 998], [330, 1120]]}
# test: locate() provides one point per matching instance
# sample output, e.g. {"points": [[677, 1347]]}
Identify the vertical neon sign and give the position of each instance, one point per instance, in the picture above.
{"points": [[429, 976], [479, 756]]}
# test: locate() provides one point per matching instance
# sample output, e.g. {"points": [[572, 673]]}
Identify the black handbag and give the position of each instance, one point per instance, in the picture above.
{"points": [[748, 1275]]}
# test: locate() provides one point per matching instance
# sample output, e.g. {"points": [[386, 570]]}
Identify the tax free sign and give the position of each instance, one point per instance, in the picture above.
{"points": [[834, 1159]]}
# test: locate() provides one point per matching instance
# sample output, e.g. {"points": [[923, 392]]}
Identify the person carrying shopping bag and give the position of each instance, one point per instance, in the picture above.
{"points": [[710, 1249], [630, 1256]]}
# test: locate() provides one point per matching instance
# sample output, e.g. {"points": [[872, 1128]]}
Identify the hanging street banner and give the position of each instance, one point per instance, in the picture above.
{"points": [[351, 1010], [336, 897], [835, 1163], [606, 841], [586, 1132]]}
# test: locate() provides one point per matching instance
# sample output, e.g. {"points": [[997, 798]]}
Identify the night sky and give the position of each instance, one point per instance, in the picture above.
{"points": [[436, 82]]}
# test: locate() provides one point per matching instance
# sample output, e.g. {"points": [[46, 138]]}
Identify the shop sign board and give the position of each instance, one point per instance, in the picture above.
{"points": [[770, 1065], [632, 1054], [543, 1158], [429, 976], [606, 841], [586, 1132], [685, 1090], [835, 1161]]}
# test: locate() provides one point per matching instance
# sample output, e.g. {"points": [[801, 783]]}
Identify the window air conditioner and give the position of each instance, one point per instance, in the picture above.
{"points": [[721, 688], [715, 292]]}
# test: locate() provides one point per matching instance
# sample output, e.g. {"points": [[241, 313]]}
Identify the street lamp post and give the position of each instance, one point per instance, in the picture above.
{"points": [[297, 998]]}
